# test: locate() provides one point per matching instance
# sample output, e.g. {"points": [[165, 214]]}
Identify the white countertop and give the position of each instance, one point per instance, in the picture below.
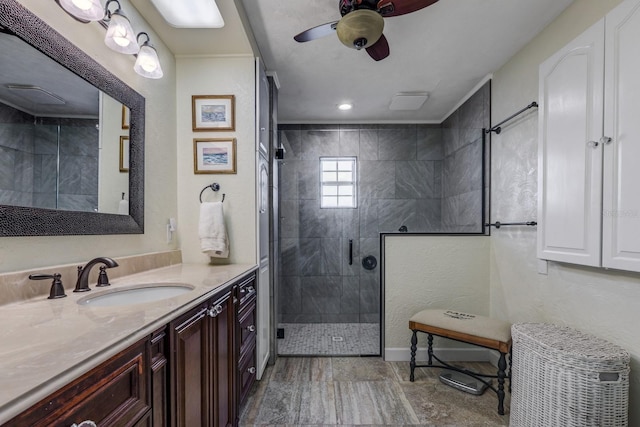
{"points": [[45, 344]]}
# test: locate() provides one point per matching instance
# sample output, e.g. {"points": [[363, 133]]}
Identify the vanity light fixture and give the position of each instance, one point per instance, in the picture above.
{"points": [[83, 10], [120, 36], [147, 64]]}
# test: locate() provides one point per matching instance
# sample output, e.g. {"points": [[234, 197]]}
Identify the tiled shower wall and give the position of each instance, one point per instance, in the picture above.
{"points": [[30, 150], [425, 177]]}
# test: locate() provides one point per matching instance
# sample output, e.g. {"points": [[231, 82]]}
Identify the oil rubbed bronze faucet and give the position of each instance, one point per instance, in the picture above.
{"points": [[82, 285]]}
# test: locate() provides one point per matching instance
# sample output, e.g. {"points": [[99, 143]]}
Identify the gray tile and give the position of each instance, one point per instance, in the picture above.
{"points": [[70, 174], [393, 213], [397, 144], [377, 179], [321, 295], [349, 142], [289, 180], [311, 257], [308, 179], [350, 297], [280, 404], [316, 143], [317, 222], [372, 402], [368, 217], [7, 162], [368, 145], [428, 215], [302, 369], [289, 295], [290, 257], [289, 219], [351, 369], [415, 180], [291, 140], [429, 143]]}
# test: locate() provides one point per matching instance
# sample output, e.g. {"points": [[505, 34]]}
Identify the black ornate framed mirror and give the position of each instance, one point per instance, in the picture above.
{"points": [[18, 220]]}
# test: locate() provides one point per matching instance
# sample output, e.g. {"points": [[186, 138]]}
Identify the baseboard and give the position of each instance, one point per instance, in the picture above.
{"points": [[446, 354]]}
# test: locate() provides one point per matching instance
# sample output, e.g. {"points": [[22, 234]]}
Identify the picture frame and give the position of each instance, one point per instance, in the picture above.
{"points": [[124, 154], [125, 117], [213, 113], [214, 155]]}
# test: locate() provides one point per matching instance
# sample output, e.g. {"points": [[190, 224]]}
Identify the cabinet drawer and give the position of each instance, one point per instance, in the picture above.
{"points": [[113, 394], [246, 293], [247, 322], [247, 374]]}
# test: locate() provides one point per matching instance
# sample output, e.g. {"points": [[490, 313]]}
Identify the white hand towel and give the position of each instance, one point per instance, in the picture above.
{"points": [[212, 231]]}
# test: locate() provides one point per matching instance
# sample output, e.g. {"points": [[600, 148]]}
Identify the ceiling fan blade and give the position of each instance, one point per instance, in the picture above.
{"points": [[317, 32], [400, 7], [380, 49]]}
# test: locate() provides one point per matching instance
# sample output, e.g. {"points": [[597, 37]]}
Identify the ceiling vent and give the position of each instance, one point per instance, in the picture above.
{"points": [[408, 100], [36, 95]]}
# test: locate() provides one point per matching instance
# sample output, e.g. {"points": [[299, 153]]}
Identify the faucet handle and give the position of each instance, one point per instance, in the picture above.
{"points": [[103, 279], [57, 289]]}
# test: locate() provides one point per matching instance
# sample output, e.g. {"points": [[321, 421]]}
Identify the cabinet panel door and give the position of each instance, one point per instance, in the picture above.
{"points": [[570, 167], [621, 204], [191, 370], [223, 363]]}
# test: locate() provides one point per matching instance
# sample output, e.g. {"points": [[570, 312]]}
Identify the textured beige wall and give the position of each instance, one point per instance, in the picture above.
{"points": [[17, 253], [222, 75], [421, 272], [597, 301]]}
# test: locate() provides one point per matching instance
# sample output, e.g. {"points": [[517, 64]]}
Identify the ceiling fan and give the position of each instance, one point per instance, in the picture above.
{"points": [[362, 23]]}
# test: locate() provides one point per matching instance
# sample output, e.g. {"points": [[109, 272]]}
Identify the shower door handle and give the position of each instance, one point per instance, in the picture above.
{"points": [[350, 251]]}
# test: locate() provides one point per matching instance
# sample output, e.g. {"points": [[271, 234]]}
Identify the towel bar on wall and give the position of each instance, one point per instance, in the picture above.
{"points": [[499, 224], [214, 187]]}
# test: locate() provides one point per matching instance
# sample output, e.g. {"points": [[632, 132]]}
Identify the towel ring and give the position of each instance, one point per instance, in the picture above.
{"points": [[214, 187]]}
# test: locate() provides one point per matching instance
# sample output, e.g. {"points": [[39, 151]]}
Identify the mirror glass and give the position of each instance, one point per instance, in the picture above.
{"points": [[71, 137]]}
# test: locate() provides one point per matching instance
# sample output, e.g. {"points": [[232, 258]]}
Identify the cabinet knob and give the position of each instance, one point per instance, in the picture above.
{"points": [[86, 423], [251, 328], [214, 311], [251, 370], [604, 140]]}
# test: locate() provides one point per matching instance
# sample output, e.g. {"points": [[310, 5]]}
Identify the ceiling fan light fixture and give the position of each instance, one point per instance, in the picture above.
{"points": [[197, 14], [360, 29]]}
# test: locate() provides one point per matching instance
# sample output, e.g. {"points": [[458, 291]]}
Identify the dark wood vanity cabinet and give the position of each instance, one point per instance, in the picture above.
{"points": [[115, 393], [195, 371], [213, 358]]}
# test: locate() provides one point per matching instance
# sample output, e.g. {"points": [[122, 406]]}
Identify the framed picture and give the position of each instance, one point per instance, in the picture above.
{"points": [[213, 113], [214, 155], [125, 117], [124, 154]]}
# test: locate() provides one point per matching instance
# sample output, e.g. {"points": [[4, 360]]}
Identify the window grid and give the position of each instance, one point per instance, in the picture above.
{"points": [[338, 182]]}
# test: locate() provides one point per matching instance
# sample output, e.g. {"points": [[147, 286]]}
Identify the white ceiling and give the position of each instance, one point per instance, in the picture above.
{"points": [[445, 49]]}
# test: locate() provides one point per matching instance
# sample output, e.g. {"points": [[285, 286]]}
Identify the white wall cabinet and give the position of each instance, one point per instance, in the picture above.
{"points": [[589, 146]]}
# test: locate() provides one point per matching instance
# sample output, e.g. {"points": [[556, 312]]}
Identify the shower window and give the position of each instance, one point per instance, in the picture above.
{"points": [[338, 182]]}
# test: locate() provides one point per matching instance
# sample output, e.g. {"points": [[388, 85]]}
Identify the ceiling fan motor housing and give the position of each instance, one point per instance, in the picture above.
{"points": [[360, 28]]}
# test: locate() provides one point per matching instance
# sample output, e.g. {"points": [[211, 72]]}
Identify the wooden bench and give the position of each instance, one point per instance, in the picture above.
{"points": [[473, 329]]}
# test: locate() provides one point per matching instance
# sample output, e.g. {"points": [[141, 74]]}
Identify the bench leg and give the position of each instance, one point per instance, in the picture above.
{"points": [[502, 365], [430, 348], [414, 346]]}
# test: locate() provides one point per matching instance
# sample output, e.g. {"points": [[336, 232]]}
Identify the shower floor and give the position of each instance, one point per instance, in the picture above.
{"points": [[331, 339]]}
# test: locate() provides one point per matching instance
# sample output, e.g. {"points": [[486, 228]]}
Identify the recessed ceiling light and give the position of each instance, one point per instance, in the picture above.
{"points": [[345, 106], [195, 14]]}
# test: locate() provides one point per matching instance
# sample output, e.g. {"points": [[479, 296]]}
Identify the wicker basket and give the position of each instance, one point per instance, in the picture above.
{"points": [[563, 377]]}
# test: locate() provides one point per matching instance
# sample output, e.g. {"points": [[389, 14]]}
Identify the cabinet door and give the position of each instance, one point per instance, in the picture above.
{"points": [[159, 379], [191, 369], [569, 165], [621, 203], [223, 362]]}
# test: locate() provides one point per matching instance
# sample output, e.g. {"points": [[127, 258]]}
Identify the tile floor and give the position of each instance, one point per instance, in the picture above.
{"points": [[333, 339], [355, 391]]}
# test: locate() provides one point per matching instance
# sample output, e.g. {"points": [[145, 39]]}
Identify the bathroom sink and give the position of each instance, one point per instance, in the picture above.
{"points": [[135, 294]]}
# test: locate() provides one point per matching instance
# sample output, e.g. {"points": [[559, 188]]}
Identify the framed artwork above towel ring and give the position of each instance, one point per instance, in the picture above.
{"points": [[213, 113], [214, 155]]}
